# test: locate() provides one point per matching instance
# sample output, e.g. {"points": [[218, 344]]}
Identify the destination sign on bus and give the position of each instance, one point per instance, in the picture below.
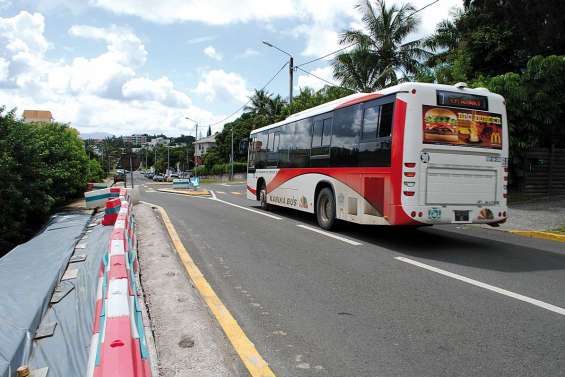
{"points": [[466, 101], [469, 128]]}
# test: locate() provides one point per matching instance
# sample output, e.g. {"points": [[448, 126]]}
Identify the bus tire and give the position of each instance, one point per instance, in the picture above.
{"points": [[325, 209], [263, 198]]}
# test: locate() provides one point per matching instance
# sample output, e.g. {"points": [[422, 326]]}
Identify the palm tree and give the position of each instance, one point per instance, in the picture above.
{"points": [[259, 102], [381, 53]]}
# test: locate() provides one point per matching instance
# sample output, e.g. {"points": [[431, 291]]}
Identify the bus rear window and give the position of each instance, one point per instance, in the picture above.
{"points": [[468, 128]]}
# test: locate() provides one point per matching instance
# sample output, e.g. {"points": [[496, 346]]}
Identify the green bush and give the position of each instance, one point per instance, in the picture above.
{"points": [[42, 165]]}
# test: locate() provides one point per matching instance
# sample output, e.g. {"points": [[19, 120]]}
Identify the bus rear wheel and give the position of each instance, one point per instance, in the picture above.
{"points": [[325, 209]]}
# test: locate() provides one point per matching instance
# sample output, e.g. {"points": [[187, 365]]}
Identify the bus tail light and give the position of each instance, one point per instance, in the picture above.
{"points": [[504, 214], [409, 174], [413, 213], [410, 164], [409, 193]]}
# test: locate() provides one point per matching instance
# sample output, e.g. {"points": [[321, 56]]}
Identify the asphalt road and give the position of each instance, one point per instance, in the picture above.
{"points": [[438, 301]]}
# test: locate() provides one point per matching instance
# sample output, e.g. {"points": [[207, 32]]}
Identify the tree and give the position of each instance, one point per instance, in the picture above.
{"points": [[43, 165], [493, 37], [209, 133], [382, 53]]}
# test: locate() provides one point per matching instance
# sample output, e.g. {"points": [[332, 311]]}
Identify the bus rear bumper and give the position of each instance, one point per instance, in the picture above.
{"points": [[431, 215]]}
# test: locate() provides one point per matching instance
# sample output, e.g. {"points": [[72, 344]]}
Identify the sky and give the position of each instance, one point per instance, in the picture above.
{"points": [[143, 66]]}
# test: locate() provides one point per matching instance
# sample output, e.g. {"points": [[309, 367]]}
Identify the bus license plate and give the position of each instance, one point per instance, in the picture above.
{"points": [[461, 216]]}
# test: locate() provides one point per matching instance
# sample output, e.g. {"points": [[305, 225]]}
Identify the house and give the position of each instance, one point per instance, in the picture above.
{"points": [[37, 116], [159, 141], [201, 147], [135, 139]]}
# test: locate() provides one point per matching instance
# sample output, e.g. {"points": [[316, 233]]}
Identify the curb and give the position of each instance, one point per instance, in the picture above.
{"points": [[186, 192], [540, 234]]}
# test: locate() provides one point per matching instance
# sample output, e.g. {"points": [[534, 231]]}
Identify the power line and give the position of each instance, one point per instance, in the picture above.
{"points": [[249, 101], [324, 80], [353, 44]]}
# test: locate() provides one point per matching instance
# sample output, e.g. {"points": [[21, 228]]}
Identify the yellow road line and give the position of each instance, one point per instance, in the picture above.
{"points": [[540, 234], [186, 192], [246, 350], [236, 192]]}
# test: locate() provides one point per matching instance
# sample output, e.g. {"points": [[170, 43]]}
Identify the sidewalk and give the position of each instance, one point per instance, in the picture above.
{"points": [[541, 214], [189, 341]]}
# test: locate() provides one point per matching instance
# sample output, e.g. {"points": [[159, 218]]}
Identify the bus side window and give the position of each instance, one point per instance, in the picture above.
{"points": [[346, 129], [385, 125], [370, 122], [300, 152], [317, 133]]}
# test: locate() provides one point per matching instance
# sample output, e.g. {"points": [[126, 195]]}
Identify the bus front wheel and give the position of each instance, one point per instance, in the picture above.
{"points": [[263, 198], [325, 209]]}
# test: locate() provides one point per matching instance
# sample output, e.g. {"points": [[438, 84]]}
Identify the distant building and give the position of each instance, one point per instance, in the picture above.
{"points": [[135, 139], [37, 116], [201, 147], [159, 141]]}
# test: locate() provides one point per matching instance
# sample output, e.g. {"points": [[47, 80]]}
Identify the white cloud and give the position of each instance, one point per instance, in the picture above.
{"points": [[197, 40], [248, 52], [326, 73], [211, 52], [161, 90], [102, 93], [123, 45], [218, 85], [4, 72], [218, 12]]}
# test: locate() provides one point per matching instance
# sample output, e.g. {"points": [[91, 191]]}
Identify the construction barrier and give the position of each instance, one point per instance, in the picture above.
{"points": [[193, 182], [111, 211], [96, 198], [118, 345]]}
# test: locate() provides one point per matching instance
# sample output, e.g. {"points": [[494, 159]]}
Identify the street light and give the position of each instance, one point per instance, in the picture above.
{"points": [[290, 68]]}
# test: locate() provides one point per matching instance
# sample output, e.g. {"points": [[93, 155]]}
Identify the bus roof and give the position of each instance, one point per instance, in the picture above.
{"points": [[362, 97]]}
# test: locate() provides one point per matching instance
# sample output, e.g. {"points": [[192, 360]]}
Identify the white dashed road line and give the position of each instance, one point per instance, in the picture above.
{"points": [[332, 235], [517, 296]]}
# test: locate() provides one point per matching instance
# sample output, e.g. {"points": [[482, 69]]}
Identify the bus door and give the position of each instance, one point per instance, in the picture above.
{"points": [[321, 141]]}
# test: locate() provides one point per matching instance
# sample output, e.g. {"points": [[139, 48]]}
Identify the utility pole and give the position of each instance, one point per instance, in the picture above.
{"points": [[155, 160], [290, 69], [130, 169], [168, 159], [231, 156], [291, 76]]}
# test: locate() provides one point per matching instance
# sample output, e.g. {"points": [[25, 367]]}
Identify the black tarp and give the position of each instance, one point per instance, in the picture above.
{"points": [[28, 276]]}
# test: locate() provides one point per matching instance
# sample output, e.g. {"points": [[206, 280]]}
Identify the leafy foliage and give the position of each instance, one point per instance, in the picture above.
{"points": [[380, 54], [42, 165]]}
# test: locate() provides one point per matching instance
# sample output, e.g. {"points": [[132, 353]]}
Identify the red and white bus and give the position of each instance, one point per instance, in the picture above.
{"points": [[411, 154]]}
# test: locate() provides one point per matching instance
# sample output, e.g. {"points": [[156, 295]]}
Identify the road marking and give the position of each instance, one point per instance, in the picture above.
{"points": [[247, 209], [332, 235], [256, 365], [213, 194], [221, 192], [235, 192], [517, 296]]}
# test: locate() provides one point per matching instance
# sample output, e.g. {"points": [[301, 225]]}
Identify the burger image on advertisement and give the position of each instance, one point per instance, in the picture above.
{"points": [[440, 125]]}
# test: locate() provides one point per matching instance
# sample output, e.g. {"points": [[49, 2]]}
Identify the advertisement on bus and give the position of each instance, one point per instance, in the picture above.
{"points": [[462, 127]]}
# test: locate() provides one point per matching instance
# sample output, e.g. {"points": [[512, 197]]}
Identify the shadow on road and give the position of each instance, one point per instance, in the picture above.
{"points": [[491, 250]]}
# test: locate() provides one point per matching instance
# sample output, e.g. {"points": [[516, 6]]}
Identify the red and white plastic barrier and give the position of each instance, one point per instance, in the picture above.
{"points": [[118, 347]]}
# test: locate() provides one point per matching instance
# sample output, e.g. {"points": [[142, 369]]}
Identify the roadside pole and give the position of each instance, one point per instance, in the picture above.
{"points": [[231, 156], [131, 169]]}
